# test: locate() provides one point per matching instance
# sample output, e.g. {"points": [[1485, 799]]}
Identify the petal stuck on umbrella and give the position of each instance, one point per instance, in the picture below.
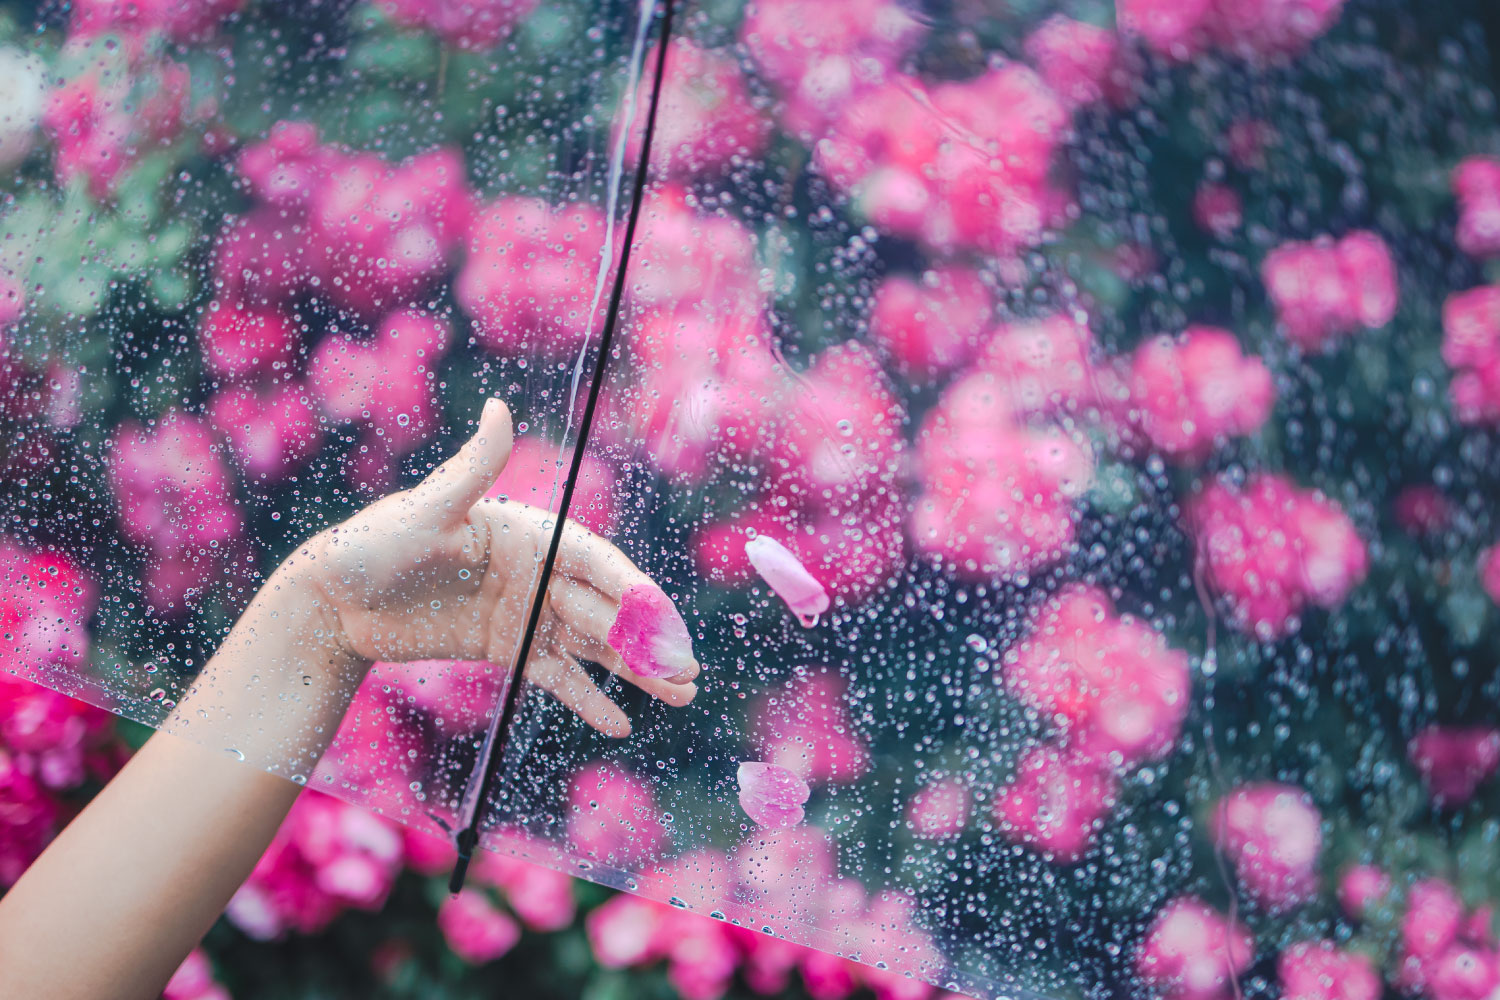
{"points": [[771, 795], [786, 575]]}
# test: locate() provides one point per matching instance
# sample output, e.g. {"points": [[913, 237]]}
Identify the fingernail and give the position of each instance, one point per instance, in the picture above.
{"points": [[489, 407]]}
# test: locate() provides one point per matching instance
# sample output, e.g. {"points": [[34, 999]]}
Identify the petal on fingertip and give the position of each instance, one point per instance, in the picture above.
{"points": [[650, 635]]}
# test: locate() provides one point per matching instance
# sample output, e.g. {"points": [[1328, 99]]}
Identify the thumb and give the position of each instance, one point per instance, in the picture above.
{"points": [[462, 481]]}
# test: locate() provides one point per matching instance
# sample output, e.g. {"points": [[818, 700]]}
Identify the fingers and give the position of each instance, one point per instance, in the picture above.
{"points": [[586, 557], [585, 616], [462, 481], [569, 683]]}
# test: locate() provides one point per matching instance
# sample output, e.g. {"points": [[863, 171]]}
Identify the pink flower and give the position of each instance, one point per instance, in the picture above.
{"points": [[272, 431], [379, 744], [474, 928], [194, 980], [1218, 210], [1193, 953], [1111, 684], [1471, 346], [614, 818], [1327, 289], [541, 897], [535, 473], [239, 341], [623, 931], [1361, 887], [1194, 393], [57, 740], [465, 24], [1077, 60], [28, 819], [1271, 549], [45, 604], [1422, 509], [1056, 801], [531, 275], [930, 324], [1253, 29], [650, 635], [1455, 760], [1489, 572], [939, 809], [771, 795], [1447, 953], [807, 730], [1319, 970], [93, 130], [1173, 28], [684, 252], [181, 20], [1272, 834], [1476, 183], [707, 120], [328, 856], [786, 575]]}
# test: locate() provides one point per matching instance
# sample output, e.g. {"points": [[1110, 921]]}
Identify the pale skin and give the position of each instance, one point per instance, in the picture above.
{"points": [[117, 901]]}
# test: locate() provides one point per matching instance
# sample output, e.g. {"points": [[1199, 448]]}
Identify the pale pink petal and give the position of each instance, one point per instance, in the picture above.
{"points": [[788, 577], [650, 635], [771, 795]]}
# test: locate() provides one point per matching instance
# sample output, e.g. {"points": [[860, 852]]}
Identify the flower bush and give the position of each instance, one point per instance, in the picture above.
{"points": [[1065, 432]]}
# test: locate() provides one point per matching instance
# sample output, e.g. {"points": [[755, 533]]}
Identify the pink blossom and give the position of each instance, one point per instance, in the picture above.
{"points": [[531, 275], [1194, 393], [328, 856], [1077, 60], [786, 575], [1489, 572], [1476, 183], [1173, 28], [1421, 509], [181, 20], [1471, 347], [1046, 365], [237, 341], [1271, 549], [1056, 801], [709, 258], [806, 728], [57, 740], [821, 64], [1218, 210], [650, 635], [1111, 684], [535, 474], [388, 383], [1319, 970], [1327, 289], [614, 818], [1253, 29], [541, 897], [272, 432], [622, 931], [379, 744], [1362, 887], [1455, 760], [930, 324], [1447, 953], [1193, 953], [28, 818], [465, 24], [427, 852], [1272, 834], [939, 809], [771, 795], [45, 603], [707, 120], [194, 980], [93, 130], [474, 928]]}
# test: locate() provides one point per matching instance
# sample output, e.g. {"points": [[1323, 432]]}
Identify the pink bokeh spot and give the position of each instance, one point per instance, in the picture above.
{"points": [[476, 930], [1272, 835]]}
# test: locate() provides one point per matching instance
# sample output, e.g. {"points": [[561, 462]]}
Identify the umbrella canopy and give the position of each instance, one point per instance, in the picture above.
{"points": [[1064, 432]]}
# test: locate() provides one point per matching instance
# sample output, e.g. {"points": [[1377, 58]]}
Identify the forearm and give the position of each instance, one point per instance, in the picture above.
{"points": [[129, 887]]}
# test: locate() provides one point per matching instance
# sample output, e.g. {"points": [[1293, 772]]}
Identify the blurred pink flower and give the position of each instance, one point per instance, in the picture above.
{"points": [[1272, 835], [181, 20], [1447, 953], [379, 744], [650, 635], [535, 474], [194, 980], [1271, 549], [1045, 365], [1489, 572], [1455, 760], [475, 929], [1194, 393], [1471, 347], [1077, 60], [1056, 800], [57, 740], [1193, 953], [707, 122], [700, 267], [93, 129], [45, 603], [272, 431], [1319, 970], [939, 808], [541, 897], [327, 857], [615, 817], [388, 383], [237, 341], [771, 795], [465, 24], [1110, 683], [1326, 289], [929, 324], [786, 575], [1422, 509], [1476, 183], [1253, 29], [28, 818], [806, 729], [531, 275], [1218, 210], [1361, 887]]}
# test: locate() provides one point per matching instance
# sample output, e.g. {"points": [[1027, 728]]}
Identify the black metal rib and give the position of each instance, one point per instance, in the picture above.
{"points": [[468, 838]]}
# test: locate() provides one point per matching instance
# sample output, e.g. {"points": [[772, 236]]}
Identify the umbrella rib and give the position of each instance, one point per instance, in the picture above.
{"points": [[468, 838]]}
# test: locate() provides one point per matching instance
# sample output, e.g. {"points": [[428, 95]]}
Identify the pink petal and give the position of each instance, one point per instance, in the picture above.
{"points": [[650, 635], [771, 795], [788, 577]]}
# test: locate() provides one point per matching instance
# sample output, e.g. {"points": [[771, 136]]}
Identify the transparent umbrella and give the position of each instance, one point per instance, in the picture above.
{"points": [[1064, 433]]}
